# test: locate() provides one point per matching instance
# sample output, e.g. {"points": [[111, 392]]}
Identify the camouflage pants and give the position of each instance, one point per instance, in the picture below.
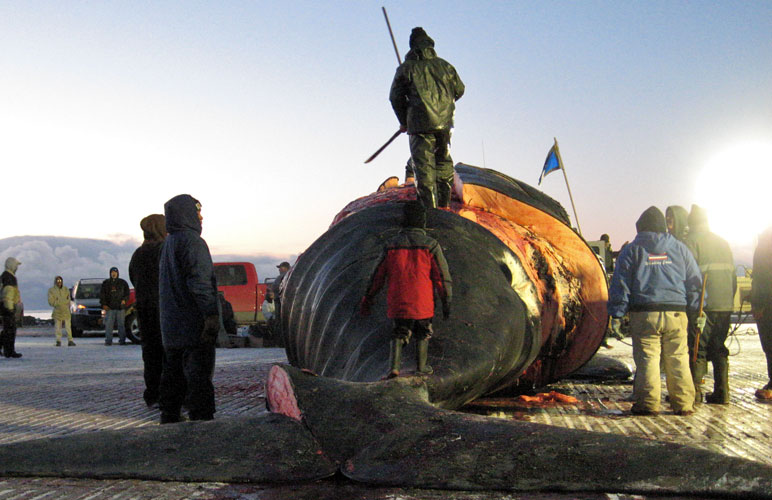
{"points": [[404, 328], [433, 167]]}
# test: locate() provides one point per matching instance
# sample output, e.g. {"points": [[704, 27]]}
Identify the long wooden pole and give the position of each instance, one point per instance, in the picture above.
{"points": [[563, 168], [372, 156], [399, 61], [391, 34]]}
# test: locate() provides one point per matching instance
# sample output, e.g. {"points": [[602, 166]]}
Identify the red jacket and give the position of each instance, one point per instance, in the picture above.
{"points": [[413, 265]]}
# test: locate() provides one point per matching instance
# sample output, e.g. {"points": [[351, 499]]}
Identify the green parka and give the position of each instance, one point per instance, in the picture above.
{"points": [[59, 299], [680, 218], [425, 90], [715, 259]]}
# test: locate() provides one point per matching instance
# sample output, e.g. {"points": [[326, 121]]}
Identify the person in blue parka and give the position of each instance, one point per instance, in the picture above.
{"points": [[189, 316]]}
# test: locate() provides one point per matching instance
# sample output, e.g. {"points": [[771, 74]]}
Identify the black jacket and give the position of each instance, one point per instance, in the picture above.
{"points": [[113, 292], [187, 286], [143, 273]]}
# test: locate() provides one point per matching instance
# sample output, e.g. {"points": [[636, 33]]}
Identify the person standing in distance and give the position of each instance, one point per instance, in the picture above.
{"points": [[423, 95], [190, 320], [113, 297], [11, 300], [59, 299]]}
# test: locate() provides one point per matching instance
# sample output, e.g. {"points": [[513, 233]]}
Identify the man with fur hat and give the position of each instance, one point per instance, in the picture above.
{"points": [[59, 299], [717, 267], [11, 300], [414, 266], [143, 273], [190, 320], [423, 95], [113, 298], [657, 281]]}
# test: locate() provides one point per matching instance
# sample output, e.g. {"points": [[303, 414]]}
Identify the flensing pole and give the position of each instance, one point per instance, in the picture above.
{"points": [[391, 34], [399, 61]]}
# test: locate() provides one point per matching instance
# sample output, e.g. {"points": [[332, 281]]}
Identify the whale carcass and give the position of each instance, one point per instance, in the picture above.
{"points": [[529, 294], [528, 308]]}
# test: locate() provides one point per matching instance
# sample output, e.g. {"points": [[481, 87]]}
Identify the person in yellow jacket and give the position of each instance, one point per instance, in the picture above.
{"points": [[59, 299], [10, 301]]}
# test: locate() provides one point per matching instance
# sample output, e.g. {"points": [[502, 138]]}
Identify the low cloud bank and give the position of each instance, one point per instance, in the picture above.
{"points": [[44, 257]]}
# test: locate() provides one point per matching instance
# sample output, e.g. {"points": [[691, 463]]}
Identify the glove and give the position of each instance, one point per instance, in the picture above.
{"points": [[364, 306], [211, 329], [616, 328], [445, 310], [701, 320]]}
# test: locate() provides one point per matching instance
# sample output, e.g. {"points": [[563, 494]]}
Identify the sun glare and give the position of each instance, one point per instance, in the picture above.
{"points": [[734, 187]]}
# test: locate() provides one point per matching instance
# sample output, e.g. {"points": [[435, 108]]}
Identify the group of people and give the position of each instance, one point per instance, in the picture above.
{"points": [[58, 298], [113, 299], [676, 281], [178, 307]]}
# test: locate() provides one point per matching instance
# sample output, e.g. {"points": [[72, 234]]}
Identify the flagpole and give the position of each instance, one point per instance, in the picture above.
{"points": [[563, 168]]}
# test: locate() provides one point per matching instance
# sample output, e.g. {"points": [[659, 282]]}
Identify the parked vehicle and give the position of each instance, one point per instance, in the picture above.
{"points": [[87, 314], [239, 283]]}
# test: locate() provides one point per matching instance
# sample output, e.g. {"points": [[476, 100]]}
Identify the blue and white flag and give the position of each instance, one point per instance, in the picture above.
{"points": [[552, 162]]}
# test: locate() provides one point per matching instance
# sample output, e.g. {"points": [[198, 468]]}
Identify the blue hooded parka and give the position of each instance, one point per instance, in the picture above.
{"points": [[187, 283], [655, 272]]}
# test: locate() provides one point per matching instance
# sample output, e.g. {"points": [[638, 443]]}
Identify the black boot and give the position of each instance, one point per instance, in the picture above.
{"points": [[699, 368], [422, 356], [395, 358], [720, 394]]}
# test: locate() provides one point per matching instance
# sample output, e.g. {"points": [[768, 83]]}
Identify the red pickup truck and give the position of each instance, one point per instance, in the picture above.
{"points": [[239, 282]]}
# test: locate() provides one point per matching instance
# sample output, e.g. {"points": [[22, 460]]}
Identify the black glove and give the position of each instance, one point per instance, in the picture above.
{"points": [[211, 329], [446, 310]]}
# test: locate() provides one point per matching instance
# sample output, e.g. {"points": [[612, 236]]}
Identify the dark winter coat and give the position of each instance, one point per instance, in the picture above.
{"points": [[425, 89], [715, 260], [143, 273], [114, 293], [761, 286], [187, 283], [655, 272], [414, 266], [144, 265]]}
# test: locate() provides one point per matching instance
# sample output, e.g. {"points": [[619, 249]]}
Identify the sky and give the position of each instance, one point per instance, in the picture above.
{"points": [[266, 111]]}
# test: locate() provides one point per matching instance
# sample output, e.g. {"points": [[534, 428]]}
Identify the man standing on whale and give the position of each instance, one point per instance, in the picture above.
{"points": [[424, 94], [414, 266]]}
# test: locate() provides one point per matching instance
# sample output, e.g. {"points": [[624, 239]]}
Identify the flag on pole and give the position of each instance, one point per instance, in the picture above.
{"points": [[552, 162]]}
